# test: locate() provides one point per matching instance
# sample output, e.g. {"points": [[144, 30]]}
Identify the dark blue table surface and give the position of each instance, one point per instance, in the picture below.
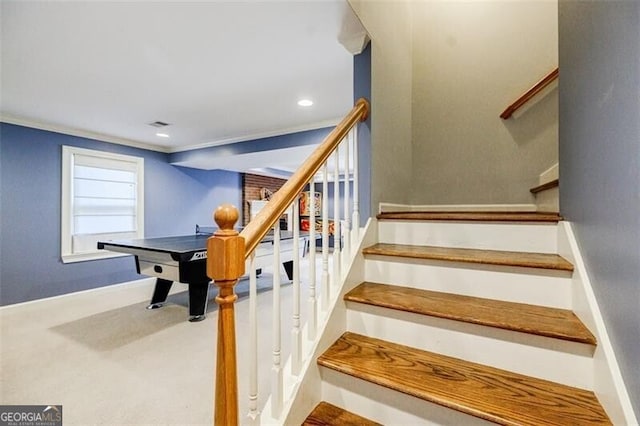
{"points": [[182, 244]]}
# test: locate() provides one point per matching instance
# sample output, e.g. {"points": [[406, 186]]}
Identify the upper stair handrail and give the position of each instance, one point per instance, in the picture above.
{"points": [[537, 88], [282, 199]]}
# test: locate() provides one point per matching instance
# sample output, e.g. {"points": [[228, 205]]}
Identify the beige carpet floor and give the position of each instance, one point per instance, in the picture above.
{"points": [[110, 361]]}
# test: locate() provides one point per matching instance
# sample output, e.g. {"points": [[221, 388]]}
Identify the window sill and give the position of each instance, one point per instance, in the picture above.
{"points": [[83, 257]]}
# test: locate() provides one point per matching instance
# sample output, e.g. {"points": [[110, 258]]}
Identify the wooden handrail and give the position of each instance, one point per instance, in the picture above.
{"points": [[227, 251], [282, 199], [537, 88]]}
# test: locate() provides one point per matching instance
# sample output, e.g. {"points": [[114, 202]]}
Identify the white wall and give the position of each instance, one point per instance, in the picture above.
{"points": [[389, 25]]}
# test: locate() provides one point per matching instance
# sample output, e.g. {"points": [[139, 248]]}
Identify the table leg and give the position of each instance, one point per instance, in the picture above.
{"points": [[198, 298], [288, 268], [160, 293]]}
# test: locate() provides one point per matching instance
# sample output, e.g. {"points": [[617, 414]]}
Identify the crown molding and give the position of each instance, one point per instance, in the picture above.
{"points": [[9, 119], [80, 133]]}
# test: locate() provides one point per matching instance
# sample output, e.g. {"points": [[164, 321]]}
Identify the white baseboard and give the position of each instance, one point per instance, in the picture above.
{"points": [[608, 381], [135, 283], [388, 207]]}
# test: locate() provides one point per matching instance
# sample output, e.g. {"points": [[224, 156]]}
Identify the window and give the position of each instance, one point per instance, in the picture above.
{"points": [[102, 199]]}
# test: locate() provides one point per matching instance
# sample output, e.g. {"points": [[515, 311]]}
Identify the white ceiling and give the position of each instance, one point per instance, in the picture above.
{"points": [[218, 72]]}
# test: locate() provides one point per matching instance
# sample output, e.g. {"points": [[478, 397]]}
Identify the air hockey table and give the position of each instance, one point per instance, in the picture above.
{"points": [[183, 259]]}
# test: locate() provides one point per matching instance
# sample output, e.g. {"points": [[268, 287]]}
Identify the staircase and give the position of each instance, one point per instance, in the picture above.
{"points": [[462, 318], [547, 193]]}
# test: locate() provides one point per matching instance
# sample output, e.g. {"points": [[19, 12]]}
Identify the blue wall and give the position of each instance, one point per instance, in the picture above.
{"points": [[30, 167], [362, 89], [176, 198], [330, 199], [599, 54]]}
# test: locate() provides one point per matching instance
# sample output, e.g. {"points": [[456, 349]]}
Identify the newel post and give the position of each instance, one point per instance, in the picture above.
{"points": [[225, 265]]}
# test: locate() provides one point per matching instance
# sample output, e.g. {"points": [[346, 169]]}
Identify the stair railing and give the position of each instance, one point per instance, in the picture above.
{"points": [[534, 90], [228, 251]]}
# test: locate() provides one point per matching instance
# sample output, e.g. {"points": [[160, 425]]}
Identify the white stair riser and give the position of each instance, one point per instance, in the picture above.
{"points": [[531, 237], [387, 406], [524, 285], [537, 356]]}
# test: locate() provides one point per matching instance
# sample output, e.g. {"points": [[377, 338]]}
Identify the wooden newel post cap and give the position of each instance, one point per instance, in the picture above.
{"points": [[225, 249], [226, 217]]}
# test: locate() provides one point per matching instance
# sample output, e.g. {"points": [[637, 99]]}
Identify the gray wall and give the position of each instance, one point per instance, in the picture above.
{"points": [[600, 161], [441, 74], [471, 60], [176, 199], [389, 25]]}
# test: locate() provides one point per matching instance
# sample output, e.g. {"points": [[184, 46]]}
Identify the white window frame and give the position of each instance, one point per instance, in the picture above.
{"points": [[68, 154]]}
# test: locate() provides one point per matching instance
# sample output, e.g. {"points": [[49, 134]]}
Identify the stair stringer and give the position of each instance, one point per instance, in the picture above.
{"points": [[608, 381], [310, 390]]}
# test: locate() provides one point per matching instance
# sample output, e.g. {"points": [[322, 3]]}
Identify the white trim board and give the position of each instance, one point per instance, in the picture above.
{"points": [[388, 207], [548, 175], [608, 381], [142, 282]]}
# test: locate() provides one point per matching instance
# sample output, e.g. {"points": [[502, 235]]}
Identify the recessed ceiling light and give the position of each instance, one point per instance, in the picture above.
{"points": [[162, 135], [305, 102]]}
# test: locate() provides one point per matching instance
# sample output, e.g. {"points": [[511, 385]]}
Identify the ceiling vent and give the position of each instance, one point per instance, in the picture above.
{"points": [[158, 124]]}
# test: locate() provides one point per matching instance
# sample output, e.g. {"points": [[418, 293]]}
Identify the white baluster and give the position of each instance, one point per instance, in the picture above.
{"points": [[355, 226], [313, 302], [254, 414], [296, 338], [276, 369], [325, 238], [346, 233], [337, 272]]}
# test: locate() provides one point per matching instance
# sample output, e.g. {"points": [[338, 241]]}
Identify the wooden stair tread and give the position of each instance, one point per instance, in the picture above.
{"points": [[551, 184], [486, 392], [540, 320], [472, 216], [326, 414], [490, 257]]}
